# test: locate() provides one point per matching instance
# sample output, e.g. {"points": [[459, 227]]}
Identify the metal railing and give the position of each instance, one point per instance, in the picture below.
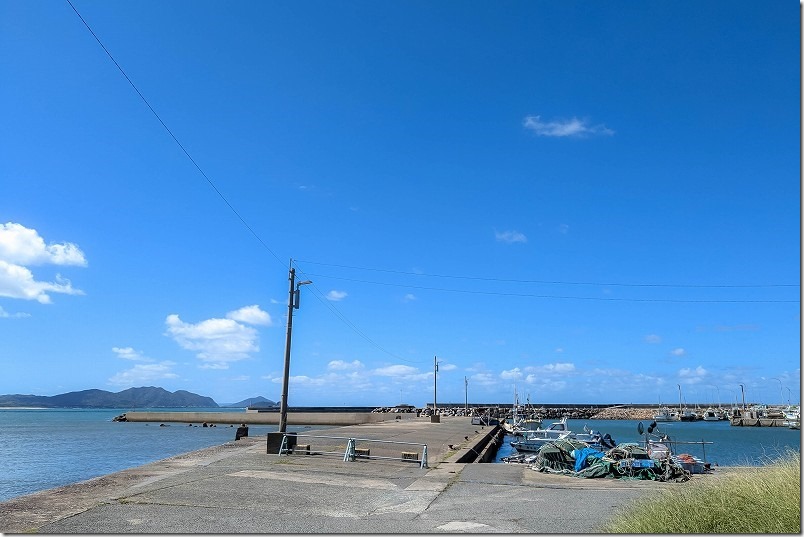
{"points": [[352, 452]]}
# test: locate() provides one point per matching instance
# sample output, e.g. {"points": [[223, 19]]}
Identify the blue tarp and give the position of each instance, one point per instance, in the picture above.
{"points": [[581, 456]]}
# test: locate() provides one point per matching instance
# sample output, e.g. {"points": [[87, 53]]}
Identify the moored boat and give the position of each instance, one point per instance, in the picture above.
{"points": [[710, 414], [664, 414]]}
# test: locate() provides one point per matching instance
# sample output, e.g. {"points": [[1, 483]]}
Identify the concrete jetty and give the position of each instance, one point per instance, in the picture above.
{"points": [[260, 418], [239, 487]]}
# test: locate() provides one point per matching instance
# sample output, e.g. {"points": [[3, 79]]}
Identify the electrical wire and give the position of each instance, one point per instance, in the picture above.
{"points": [[321, 296], [175, 139], [550, 282], [562, 297]]}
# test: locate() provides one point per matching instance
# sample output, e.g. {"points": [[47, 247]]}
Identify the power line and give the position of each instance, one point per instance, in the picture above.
{"points": [[167, 129], [562, 297], [321, 295], [550, 282], [335, 311]]}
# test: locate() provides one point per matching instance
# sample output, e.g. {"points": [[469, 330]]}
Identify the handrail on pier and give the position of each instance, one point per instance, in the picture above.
{"points": [[350, 455]]}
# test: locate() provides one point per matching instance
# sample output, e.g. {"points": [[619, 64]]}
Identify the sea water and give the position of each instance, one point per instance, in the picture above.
{"points": [[730, 446], [46, 448]]}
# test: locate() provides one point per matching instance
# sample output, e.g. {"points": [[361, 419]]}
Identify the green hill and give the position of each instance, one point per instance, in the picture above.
{"points": [[145, 397]]}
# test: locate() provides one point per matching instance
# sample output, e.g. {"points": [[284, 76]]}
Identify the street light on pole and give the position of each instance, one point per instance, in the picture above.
{"points": [[781, 390], [742, 390], [293, 303]]}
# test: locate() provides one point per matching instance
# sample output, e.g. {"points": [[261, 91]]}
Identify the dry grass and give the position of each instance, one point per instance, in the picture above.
{"points": [[764, 499]]}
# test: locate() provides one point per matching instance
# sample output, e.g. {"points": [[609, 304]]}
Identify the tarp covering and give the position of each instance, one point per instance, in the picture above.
{"points": [[581, 456]]}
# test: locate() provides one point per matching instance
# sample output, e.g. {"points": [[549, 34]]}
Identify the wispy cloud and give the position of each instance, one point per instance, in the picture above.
{"points": [[678, 352], [653, 338], [6, 315], [336, 296], [692, 376], [576, 128], [510, 237], [144, 374], [128, 353], [340, 365]]}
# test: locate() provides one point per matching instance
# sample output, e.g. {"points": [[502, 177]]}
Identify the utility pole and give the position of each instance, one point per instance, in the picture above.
{"points": [[466, 396], [435, 383], [435, 418], [293, 303]]}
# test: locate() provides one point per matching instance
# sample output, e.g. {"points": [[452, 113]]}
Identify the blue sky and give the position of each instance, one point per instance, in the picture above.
{"points": [[582, 202]]}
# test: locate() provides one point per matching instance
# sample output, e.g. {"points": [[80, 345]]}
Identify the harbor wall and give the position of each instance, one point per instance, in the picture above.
{"points": [[262, 418]]}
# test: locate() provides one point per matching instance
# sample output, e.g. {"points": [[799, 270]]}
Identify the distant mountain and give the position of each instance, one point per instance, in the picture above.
{"points": [[261, 402], [145, 397]]}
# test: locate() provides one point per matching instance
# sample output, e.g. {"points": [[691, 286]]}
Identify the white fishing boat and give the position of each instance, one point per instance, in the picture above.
{"points": [[664, 414], [534, 440], [710, 414]]}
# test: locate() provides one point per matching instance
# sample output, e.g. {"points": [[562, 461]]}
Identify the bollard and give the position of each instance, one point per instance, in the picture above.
{"points": [[241, 432]]}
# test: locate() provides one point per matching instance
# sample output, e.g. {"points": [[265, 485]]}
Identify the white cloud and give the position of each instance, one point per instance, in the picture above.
{"points": [[18, 282], [410, 297], [558, 368], [653, 338], [692, 376], [484, 379], [336, 296], [340, 365], [6, 315], [511, 374], [24, 246], [574, 127], [127, 353], [510, 237], [218, 341], [678, 352], [142, 374], [396, 371], [446, 367], [250, 315], [20, 247]]}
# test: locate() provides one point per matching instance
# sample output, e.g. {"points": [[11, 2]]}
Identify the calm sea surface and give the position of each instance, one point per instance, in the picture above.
{"points": [[732, 446], [42, 449]]}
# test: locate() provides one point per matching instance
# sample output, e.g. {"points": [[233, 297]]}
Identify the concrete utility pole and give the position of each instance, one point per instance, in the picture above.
{"points": [[466, 395], [435, 382], [293, 303], [435, 418]]}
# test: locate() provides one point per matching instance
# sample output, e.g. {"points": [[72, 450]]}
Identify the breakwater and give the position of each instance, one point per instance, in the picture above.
{"points": [[258, 418]]}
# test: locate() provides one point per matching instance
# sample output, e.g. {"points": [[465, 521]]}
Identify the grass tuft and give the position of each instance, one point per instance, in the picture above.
{"points": [[763, 499]]}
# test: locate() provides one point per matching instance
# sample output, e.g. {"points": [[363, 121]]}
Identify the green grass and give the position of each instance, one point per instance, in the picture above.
{"points": [[764, 499]]}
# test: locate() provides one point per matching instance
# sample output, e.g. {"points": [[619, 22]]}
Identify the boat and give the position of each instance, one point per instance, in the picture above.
{"points": [[664, 414], [688, 415], [526, 426], [792, 417], [710, 414], [535, 439]]}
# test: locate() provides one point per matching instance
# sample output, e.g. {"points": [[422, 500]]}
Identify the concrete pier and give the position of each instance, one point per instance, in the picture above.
{"points": [[264, 418], [239, 488]]}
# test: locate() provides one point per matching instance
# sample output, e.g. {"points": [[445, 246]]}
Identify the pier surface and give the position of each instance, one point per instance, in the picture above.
{"points": [[240, 488]]}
